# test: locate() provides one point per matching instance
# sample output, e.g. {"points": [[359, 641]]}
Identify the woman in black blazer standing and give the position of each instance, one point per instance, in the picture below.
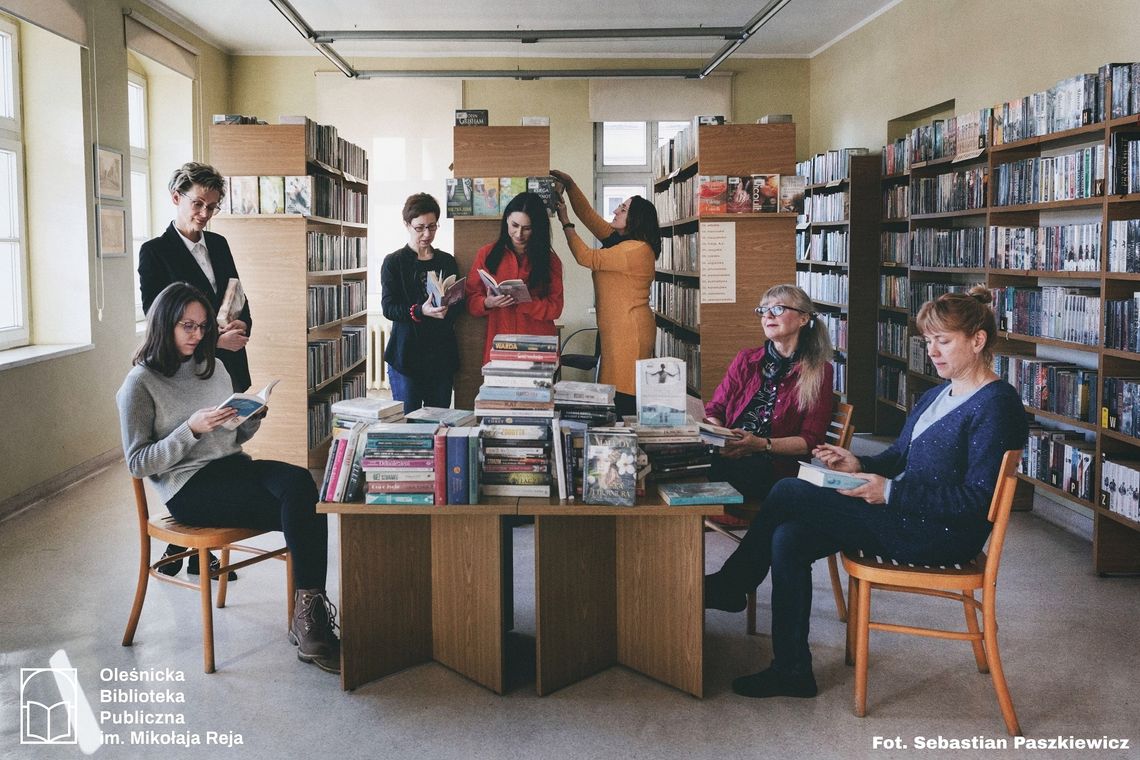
{"points": [[422, 354], [186, 252]]}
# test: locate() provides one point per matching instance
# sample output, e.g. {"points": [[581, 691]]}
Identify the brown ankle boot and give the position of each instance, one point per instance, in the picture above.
{"points": [[313, 631]]}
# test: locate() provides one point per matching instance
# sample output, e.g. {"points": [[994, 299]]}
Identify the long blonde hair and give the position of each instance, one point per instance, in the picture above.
{"points": [[813, 348]]}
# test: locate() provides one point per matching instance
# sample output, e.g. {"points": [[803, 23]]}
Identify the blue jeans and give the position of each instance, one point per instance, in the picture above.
{"points": [[416, 392]]}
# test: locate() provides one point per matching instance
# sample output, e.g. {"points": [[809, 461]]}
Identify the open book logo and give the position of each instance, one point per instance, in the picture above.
{"points": [[48, 719]]}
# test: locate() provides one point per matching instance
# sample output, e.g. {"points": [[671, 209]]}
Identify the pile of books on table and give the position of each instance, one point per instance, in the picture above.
{"points": [[344, 479], [457, 455], [515, 406], [674, 451], [578, 406], [403, 463]]}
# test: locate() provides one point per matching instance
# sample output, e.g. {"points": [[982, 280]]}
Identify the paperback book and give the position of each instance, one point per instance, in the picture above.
{"points": [[821, 476], [792, 194], [509, 187], [232, 303], [765, 192], [459, 196], [471, 117], [739, 195], [271, 194], [610, 475], [299, 195], [544, 188], [712, 194], [379, 409], [515, 288], [486, 196], [246, 404], [446, 291], [677, 494], [661, 399], [244, 195]]}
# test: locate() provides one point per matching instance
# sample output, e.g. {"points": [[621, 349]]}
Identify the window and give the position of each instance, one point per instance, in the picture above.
{"points": [[140, 176], [14, 328], [622, 167]]}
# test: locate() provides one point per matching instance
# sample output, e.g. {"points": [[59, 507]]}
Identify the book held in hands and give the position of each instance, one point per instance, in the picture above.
{"points": [[246, 404], [514, 288], [825, 478], [446, 291], [232, 303]]}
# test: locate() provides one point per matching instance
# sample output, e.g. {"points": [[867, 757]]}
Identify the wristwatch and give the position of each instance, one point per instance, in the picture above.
{"points": [[568, 226], [767, 445]]}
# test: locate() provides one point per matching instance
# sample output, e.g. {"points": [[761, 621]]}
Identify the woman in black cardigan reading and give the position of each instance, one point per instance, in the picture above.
{"points": [[924, 499]]}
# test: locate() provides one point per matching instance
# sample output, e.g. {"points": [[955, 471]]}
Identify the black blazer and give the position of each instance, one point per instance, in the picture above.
{"points": [[166, 259], [427, 348]]}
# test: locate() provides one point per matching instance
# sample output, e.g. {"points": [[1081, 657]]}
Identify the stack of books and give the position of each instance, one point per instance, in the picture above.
{"points": [[343, 480], [515, 406], [404, 463], [438, 415], [592, 403], [677, 451], [367, 410]]}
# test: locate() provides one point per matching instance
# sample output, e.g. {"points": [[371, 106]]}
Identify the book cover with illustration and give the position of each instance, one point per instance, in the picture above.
{"points": [[509, 187], [299, 195], [610, 474], [244, 198], [792, 194], [486, 196], [460, 200], [271, 193], [739, 195], [677, 494], [712, 194], [544, 188], [661, 399], [765, 192]]}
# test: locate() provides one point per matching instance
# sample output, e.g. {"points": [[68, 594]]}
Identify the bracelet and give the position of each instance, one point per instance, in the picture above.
{"points": [[768, 445], [412, 313], [568, 226]]}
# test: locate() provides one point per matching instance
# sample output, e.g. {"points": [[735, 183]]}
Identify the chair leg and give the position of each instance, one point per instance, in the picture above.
{"points": [[1005, 702], [972, 627], [862, 634], [290, 590], [837, 588], [750, 613], [140, 592], [207, 613], [852, 620], [224, 577]]}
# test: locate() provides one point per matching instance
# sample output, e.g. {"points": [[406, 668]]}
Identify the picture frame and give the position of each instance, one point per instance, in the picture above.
{"points": [[112, 232], [109, 174]]}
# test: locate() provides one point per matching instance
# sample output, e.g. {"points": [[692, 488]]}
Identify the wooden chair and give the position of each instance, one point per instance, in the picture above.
{"points": [[957, 582], [839, 433], [201, 540]]}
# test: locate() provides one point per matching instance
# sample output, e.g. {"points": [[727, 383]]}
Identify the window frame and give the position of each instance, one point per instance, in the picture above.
{"points": [[12, 139], [140, 164], [609, 175]]}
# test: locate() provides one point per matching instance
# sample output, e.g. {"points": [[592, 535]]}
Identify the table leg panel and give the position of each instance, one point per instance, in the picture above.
{"points": [[575, 599], [385, 591], [467, 601], [660, 598]]}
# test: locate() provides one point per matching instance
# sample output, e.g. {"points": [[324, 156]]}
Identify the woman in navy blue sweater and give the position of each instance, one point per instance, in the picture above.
{"points": [[925, 498]]}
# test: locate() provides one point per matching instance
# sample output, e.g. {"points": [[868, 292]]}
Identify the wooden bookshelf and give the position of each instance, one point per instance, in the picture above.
{"points": [[488, 152], [765, 244], [270, 251], [861, 226]]}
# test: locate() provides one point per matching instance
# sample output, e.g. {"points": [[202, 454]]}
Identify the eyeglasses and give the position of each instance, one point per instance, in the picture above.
{"points": [[190, 328], [198, 206], [776, 310], [420, 229]]}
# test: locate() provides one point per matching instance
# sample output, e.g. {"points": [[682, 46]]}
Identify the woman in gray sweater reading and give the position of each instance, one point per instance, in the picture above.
{"points": [[174, 435]]}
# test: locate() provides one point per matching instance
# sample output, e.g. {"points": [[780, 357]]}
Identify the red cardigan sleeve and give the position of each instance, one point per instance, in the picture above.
{"points": [[728, 389], [474, 287], [549, 307]]}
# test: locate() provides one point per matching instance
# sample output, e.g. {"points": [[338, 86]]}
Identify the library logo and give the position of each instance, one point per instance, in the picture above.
{"points": [[54, 709], [49, 702]]}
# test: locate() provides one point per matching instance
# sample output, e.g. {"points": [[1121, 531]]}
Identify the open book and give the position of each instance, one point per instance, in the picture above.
{"points": [[821, 476], [246, 404], [232, 303], [444, 292], [516, 288]]}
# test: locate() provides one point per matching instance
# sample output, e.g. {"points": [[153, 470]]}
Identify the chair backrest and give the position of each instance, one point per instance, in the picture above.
{"points": [[1000, 507], [141, 504], [840, 429]]}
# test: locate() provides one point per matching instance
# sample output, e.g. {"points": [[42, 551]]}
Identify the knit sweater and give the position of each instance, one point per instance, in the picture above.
{"points": [[622, 275], [154, 412], [951, 470]]}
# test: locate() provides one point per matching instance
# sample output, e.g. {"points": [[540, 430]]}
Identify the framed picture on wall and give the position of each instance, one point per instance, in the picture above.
{"points": [[108, 173], [112, 231]]}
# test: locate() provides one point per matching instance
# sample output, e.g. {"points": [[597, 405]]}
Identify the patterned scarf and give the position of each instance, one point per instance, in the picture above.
{"points": [[757, 416]]}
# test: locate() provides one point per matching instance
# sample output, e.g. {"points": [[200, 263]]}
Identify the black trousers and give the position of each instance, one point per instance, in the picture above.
{"points": [[239, 492], [751, 475]]}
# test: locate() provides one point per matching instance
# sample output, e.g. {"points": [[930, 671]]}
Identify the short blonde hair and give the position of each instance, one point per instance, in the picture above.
{"points": [[192, 173], [967, 313]]}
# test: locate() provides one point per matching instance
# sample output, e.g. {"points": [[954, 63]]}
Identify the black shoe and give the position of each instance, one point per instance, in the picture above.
{"points": [[313, 629], [172, 568], [772, 683], [719, 597], [192, 566]]}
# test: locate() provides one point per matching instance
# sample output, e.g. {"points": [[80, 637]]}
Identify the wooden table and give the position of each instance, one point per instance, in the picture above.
{"points": [[619, 585], [613, 585]]}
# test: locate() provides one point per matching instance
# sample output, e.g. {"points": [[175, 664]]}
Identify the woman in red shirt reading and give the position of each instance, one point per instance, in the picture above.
{"points": [[522, 253]]}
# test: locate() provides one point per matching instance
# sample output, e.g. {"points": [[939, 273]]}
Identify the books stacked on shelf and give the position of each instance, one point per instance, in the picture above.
{"points": [[680, 253], [292, 194], [676, 152], [591, 403], [343, 479], [679, 301], [354, 385], [831, 287], [235, 118], [1120, 405], [962, 190], [1120, 486], [324, 361], [610, 470], [1124, 163], [681, 494], [1052, 386], [836, 325], [461, 462], [353, 297], [832, 246], [895, 247], [323, 145], [830, 207], [896, 202], [1062, 313], [323, 306], [832, 166], [678, 451], [404, 463], [1124, 245], [667, 343], [921, 292], [1063, 459], [959, 247], [893, 338], [542, 349], [896, 157], [1071, 103], [353, 343], [1048, 248], [1122, 324], [326, 252], [894, 291], [1124, 89], [435, 415], [677, 201], [917, 360], [489, 196], [320, 417], [516, 457], [890, 384], [959, 136], [1067, 177]]}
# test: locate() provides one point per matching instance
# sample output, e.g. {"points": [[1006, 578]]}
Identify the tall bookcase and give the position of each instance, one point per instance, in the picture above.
{"points": [[892, 309], [488, 152], [272, 253], [1116, 538], [836, 255], [764, 253]]}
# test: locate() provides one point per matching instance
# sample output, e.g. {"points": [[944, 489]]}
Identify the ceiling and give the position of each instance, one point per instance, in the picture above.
{"points": [[255, 27]]}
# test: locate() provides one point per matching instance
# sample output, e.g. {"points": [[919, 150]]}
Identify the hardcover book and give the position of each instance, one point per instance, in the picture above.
{"points": [[825, 478], [369, 408], [471, 117], [299, 195], [544, 188], [661, 400], [765, 192], [676, 494], [610, 475], [739, 195], [460, 198], [486, 196], [426, 499], [271, 193], [244, 198], [712, 194], [792, 193], [438, 415], [515, 342]]}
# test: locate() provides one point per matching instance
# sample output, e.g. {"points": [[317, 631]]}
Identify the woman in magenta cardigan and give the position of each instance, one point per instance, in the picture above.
{"points": [[777, 397]]}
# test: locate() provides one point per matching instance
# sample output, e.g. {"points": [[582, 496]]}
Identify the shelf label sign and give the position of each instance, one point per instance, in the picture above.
{"points": [[718, 262]]}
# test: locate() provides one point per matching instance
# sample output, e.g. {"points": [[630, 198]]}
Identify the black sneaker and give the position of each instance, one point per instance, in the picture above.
{"points": [[192, 566], [172, 568]]}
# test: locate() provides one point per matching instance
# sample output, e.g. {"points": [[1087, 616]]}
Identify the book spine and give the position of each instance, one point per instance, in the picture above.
{"points": [[473, 465], [491, 489], [380, 476], [399, 498], [543, 357], [457, 468], [374, 463], [401, 486], [517, 478], [544, 347], [328, 468], [440, 463], [330, 492], [355, 478]]}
